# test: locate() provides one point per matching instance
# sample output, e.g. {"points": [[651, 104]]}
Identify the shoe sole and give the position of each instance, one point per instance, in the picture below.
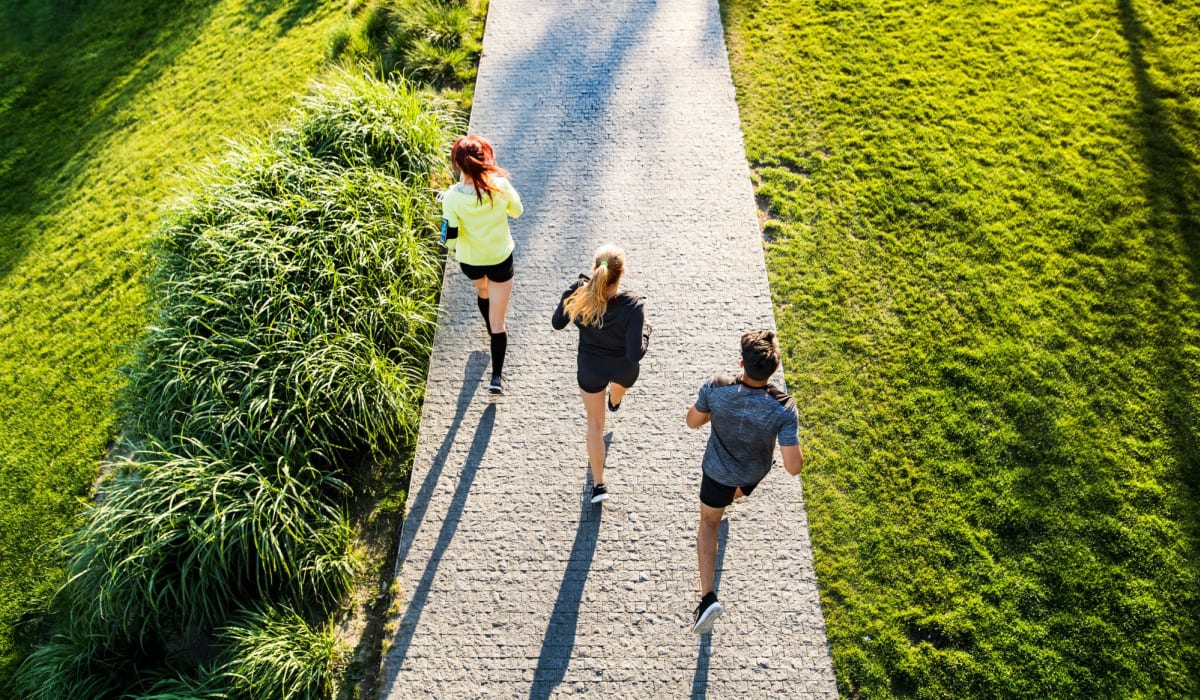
{"points": [[705, 624], [600, 499]]}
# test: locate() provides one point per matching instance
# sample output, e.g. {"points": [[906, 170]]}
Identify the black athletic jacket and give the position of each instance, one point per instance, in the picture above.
{"points": [[622, 332]]}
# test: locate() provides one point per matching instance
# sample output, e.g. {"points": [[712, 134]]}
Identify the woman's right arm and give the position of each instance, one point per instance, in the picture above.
{"points": [[449, 224]]}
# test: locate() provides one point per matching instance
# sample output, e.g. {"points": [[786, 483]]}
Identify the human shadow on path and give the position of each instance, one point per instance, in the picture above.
{"points": [[476, 363], [416, 605], [559, 640], [700, 678]]}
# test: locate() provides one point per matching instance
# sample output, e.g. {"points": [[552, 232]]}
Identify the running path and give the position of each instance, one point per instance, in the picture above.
{"points": [[617, 120]]}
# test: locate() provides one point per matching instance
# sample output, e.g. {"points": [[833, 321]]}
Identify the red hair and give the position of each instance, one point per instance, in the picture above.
{"points": [[473, 156]]}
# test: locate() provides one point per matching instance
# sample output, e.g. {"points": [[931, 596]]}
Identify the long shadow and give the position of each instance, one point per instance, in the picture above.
{"points": [[589, 68], [477, 362], [416, 605], [704, 655], [559, 640], [1172, 189]]}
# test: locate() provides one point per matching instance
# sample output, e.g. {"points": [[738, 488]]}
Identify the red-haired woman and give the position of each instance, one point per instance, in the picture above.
{"points": [[475, 215], [613, 336]]}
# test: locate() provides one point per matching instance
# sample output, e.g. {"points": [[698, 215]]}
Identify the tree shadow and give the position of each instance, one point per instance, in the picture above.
{"points": [[294, 12], [704, 654], [82, 65], [1172, 188], [558, 642], [416, 605], [589, 63]]}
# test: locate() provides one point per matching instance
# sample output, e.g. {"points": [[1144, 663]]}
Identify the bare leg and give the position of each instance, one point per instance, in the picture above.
{"points": [[481, 287], [706, 546], [594, 405], [616, 392], [499, 293]]}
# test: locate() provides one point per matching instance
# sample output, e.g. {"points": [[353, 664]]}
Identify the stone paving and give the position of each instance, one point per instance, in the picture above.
{"points": [[618, 123]]}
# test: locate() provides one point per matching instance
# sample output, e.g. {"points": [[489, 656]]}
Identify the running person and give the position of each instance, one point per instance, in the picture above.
{"points": [[475, 215], [613, 336], [748, 415]]}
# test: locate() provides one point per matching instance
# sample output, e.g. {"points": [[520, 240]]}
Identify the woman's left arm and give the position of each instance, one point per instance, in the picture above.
{"points": [[637, 334], [514, 208]]}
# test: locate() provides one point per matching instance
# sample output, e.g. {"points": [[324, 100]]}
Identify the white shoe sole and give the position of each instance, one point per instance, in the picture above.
{"points": [[600, 499], [705, 624]]}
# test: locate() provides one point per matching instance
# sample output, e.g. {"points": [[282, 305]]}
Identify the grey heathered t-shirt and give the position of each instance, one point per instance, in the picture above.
{"points": [[746, 422]]}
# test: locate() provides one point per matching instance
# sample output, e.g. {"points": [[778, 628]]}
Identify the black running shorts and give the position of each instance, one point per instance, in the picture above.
{"points": [[717, 495], [500, 272], [595, 373]]}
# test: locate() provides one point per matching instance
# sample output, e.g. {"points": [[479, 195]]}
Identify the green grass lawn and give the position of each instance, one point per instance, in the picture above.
{"points": [[107, 107], [984, 226]]}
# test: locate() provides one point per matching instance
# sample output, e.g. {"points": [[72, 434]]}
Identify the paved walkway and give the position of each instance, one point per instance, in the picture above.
{"points": [[617, 120]]}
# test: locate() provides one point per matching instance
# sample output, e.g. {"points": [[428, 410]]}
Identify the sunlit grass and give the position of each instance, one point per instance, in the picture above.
{"points": [[983, 251]]}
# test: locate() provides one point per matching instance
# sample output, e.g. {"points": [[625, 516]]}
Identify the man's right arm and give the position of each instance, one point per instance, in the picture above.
{"points": [[698, 414], [793, 459]]}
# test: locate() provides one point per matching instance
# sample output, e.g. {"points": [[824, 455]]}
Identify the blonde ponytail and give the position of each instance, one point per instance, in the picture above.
{"points": [[588, 303]]}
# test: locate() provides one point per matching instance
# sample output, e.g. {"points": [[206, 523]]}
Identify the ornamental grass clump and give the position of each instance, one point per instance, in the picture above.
{"points": [[295, 302], [179, 543], [434, 42], [276, 653]]}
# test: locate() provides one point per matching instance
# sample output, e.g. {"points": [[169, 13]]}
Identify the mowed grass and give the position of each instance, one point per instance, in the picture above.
{"points": [[984, 252], [107, 108]]}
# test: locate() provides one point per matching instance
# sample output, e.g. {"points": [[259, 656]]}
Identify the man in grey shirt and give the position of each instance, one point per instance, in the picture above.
{"points": [[748, 416]]}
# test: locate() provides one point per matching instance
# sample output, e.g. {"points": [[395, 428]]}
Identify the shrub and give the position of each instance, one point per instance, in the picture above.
{"points": [[295, 300]]}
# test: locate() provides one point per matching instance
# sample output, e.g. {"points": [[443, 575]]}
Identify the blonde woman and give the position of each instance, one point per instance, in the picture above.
{"points": [[613, 336], [475, 214]]}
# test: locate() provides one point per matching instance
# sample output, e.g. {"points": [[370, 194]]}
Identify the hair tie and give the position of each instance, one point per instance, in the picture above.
{"points": [[603, 263]]}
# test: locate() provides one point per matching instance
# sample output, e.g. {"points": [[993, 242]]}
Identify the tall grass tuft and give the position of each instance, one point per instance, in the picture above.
{"points": [[277, 654], [181, 542], [73, 667], [435, 42], [295, 299]]}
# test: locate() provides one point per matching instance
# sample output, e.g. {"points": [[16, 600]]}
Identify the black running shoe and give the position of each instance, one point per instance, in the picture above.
{"points": [[497, 385], [611, 407], [599, 493], [707, 613]]}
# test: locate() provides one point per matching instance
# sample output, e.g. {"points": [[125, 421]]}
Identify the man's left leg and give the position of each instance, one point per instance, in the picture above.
{"points": [[706, 553], [706, 546]]}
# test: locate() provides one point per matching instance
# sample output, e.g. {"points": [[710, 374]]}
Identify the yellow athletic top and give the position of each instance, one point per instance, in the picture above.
{"points": [[483, 235]]}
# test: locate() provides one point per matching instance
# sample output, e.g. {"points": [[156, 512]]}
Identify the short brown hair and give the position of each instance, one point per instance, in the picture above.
{"points": [[760, 355]]}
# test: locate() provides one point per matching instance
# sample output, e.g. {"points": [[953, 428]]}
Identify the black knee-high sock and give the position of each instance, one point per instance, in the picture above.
{"points": [[499, 347], [485, 309]]}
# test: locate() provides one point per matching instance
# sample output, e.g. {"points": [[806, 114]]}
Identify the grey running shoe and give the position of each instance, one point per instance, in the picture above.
{"points": [[497, 385]]}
